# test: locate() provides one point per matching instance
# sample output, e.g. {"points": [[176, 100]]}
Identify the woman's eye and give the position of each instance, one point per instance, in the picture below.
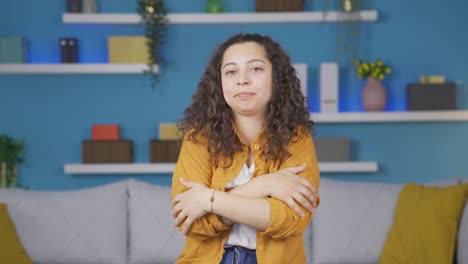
{"points": [[257, 69], [230, 72]]}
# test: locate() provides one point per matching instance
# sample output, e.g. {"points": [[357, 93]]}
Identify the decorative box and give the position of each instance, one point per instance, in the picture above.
{"points": [[107, 151], [279, 5], [68, 50], [127, 49], [332, 149], [169, 131], [431, 96], [13, 50], [164, 150], [73, 6], [105, 132]]}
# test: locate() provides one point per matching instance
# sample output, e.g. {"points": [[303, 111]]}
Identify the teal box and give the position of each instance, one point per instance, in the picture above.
{"points": [[13, 50]]}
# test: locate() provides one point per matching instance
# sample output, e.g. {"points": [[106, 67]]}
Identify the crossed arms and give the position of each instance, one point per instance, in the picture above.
{"points": [[279, 204]]}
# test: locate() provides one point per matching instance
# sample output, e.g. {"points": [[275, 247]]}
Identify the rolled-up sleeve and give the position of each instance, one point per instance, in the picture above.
{"points": [[194, 165], [284, 222]]}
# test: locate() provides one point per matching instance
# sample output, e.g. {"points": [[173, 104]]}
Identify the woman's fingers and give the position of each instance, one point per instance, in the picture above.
{"points": [[176, 200], [180, 218], [293, 205], [306, 184], [186, 183], [187, 225], [303, 201], [175, 211], [297, 169]]}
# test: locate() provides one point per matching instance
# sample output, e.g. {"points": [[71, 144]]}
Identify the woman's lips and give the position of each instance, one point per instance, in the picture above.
{"points": [[245, 95]]}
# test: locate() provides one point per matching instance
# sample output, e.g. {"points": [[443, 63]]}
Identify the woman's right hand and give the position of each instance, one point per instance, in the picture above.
{"points": [[286, 186]]}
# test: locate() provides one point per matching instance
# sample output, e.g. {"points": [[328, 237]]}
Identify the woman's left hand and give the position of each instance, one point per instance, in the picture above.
{"points": [[191, 204]]}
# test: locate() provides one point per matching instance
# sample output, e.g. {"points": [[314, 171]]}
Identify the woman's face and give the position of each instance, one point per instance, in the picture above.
{"points": [[246, 78]]}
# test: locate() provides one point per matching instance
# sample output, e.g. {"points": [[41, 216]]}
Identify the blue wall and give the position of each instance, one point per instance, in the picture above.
{"points": [[54, 113]]}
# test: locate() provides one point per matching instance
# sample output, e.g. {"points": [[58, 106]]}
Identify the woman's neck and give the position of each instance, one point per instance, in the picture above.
{"points": [[248, 127]]}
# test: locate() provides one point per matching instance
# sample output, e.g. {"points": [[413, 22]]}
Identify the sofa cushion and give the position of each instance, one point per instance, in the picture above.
{"points": [[462, 244], [152, 234], [352, 221], [425, 225], [11, 250], [80, 226]]}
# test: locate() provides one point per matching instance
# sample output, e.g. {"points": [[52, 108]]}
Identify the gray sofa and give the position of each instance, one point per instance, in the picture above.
{"points": [[130, 222], [124, 222], [353, 220]]}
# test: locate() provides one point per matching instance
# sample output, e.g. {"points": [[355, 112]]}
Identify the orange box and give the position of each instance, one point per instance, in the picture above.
{"points": [[105, 132]]}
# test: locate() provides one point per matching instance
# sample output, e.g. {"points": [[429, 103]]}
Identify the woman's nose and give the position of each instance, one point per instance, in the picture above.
{"points": [[243, 79]]}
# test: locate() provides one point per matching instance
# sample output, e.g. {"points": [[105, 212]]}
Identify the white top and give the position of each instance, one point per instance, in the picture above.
{"points": [[242, 235]]}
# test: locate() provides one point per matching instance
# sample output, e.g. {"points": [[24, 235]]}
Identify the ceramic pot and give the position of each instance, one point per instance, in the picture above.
{"points": [[374, 95]]}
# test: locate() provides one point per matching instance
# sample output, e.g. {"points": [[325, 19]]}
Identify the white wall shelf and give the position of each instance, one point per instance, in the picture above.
{"points": [[348, 167], [402, 116], [204, 18], [161, 168], [71, 68], [121, 168]]}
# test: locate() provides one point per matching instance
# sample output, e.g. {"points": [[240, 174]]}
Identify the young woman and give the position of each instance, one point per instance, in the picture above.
{"points": [[245, 185]]}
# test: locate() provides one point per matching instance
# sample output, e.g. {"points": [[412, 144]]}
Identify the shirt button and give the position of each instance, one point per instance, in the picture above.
{"points": [[257, 146], [260, 248]]}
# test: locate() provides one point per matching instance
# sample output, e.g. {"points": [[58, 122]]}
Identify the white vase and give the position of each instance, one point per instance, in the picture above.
{"points": [[88, 6]]}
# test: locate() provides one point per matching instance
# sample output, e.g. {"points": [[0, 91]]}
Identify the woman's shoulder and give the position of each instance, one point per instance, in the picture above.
{"points": [[195, 137]]}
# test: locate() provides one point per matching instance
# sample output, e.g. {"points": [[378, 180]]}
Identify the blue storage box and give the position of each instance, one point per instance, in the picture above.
{"points": [[13, 50]]}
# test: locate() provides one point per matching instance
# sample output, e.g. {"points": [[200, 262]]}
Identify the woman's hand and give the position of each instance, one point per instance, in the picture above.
{"points": [[286, 186], [191, 204]]}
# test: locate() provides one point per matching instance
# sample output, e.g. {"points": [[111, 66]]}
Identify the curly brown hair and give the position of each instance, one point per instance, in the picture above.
{"points": [[210, 116]]}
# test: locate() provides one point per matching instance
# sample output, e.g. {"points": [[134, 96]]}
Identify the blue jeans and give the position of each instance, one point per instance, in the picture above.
{"points": [[239, 255]]}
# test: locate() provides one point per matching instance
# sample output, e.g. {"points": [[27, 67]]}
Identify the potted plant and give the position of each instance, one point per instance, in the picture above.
{"points": [[153, 14], [11, 154], [374, 94]]}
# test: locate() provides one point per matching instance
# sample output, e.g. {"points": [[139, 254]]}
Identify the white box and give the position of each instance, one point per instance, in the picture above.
{"points": [[301, 70], [329, 87]]}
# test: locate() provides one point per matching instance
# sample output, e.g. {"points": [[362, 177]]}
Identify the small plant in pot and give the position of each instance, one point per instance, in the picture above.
{"points": [[153, 14], [11, 155], [374, 94]]}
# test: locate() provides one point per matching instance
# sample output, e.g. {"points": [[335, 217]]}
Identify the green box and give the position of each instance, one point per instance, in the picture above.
{"points": [[13, 50]]}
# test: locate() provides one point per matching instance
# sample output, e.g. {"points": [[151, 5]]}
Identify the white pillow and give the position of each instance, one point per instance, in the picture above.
{"points": [[462, 244], [152, 234], [352, 221], [80, 226]]}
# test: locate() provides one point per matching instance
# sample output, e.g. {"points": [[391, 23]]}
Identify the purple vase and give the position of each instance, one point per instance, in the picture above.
{"points": [[374, 95]]}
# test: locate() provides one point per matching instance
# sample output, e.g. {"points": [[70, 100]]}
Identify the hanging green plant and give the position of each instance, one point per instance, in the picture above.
{"points": [[11, 154], [348, 33], [348, 29], [153, 14]]}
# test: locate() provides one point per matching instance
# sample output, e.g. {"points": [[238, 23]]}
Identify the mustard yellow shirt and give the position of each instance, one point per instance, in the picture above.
{"points": [[282, 240]]}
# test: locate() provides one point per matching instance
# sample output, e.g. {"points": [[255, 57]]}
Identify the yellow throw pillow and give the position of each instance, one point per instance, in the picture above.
{"points": [[425, 225], [11, 250]]}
